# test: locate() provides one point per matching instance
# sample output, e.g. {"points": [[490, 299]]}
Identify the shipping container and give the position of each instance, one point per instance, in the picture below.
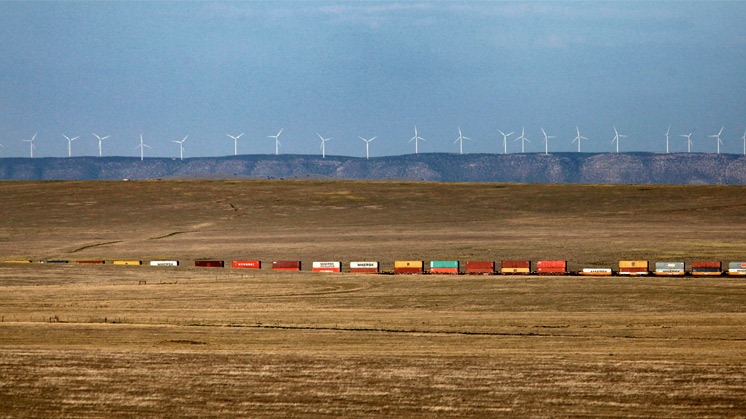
{"points": [[669, 269], [326, 267], [91, 262], [17, 261], [551, 266], [515, 267], [247, 264], [209, 263], [737, 268], [128, 262], [707, 268], [595, 272], [164, 263], [408, 267], [714, 264], [55, 261], [633, 264], [444, 267], [364, 267], [286, 265], [633, 271], [479, 267]]}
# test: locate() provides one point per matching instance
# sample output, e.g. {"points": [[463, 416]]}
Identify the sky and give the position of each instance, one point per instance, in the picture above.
{"points": [[349, 69]]}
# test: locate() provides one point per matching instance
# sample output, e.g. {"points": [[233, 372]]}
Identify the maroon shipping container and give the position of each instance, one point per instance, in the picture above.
{"points": [[707, 264], [407, 270], [526, 264], [551, 266], [209, 263], [479, 267], [286, 265]]}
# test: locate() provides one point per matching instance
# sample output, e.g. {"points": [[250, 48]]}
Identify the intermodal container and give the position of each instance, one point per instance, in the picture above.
{"points": [[55, 261], [17, 261], [247, 264], [515, 267], [128, 262], [633, 267], [479, 267], [737, 268], [326, 267], [164, 263], [364, 267], [551, 266], [444, 267], [91, 262], [286, 265], [408, 267], [709, 267], [209, 263], [669, 269], [595, 272]]}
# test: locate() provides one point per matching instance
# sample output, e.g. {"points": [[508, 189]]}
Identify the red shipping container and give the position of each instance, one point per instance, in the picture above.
{"points": [[516, 264], [551, 266], [635, 271], [479, 267], [408, 270], [91, 262], [452, 271], [247, 264], [209, 263], [706, 264], [286, 265]]}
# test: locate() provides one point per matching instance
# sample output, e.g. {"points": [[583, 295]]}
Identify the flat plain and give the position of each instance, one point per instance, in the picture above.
{"points": [[122, 341]]}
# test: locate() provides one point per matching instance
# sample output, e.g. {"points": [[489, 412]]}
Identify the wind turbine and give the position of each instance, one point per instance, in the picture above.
{"points": [[142, 146], [235, 142], [323, 145], [617, 136], [505, 140], [689, 140], [718, 141], [31, 144], [579, 137], [181, 147], [546, 141], [744, 143], [522, 139], [367, 144], [70, 144], [667, 132], [277, 141], [460, 140], [416, 140], [100, 140]]}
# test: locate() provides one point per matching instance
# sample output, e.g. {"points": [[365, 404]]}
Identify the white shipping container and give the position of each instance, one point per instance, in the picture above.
{"points": [[596, 271], [164, 263], [362, 265], [319, 265]]}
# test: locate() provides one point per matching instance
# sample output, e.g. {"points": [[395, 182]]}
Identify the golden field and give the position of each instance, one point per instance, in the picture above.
{"points": [[120, 341]]}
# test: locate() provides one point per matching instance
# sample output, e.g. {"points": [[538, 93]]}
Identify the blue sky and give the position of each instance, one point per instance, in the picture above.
{"points": [[349, 69]]}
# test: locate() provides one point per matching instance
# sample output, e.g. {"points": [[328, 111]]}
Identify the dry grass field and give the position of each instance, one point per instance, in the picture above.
{"points": [[118, 341]]}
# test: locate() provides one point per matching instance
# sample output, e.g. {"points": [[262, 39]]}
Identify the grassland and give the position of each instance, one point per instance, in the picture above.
{"points": [[121, 341]]}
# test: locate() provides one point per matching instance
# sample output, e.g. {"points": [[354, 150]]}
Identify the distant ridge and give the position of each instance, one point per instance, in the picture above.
{"points": [[589, 168]]}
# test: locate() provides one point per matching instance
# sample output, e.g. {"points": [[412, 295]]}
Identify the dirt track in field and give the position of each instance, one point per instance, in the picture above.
{"points": [[118, 341]]}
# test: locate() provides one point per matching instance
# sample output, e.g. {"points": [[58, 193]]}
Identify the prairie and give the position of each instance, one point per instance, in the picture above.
{"points": [[115, 341]]}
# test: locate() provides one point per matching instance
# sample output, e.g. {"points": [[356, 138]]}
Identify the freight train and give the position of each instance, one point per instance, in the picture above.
{"points": [[452, 267]]}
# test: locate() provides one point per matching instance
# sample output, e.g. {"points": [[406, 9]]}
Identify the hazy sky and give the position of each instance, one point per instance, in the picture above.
{"points": [[349, 69]]}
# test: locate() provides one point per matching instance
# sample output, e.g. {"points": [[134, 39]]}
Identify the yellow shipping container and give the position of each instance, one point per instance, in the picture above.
{"points": [[17, 261], [633, 264], [515, 270], [127, 262], [409, 264]]}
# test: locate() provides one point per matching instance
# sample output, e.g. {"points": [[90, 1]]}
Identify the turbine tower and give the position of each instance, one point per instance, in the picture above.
{"points": [[142, 146], [70, 144], [100, 140], [416, 140], [460, 140], [367, 144], [617, 136], [31, 144], [689, 140], [667, 132], [181, 147], [505, 140], [546, 141], [522, 139], [578, 138], [323, 145], [235, 142], [718, 141], [277, 141], [744, 143]]}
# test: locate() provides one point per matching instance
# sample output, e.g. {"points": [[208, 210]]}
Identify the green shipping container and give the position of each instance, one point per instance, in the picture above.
{"points": [[444, 264]]}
